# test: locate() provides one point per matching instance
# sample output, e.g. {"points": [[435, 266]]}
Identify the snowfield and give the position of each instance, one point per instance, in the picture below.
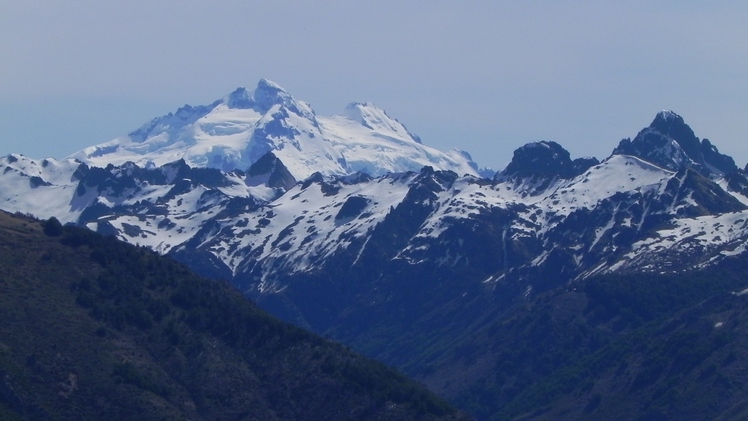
{"points": [[235, 131]]}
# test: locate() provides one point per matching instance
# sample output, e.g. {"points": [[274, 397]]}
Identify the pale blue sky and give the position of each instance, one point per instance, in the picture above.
{"points": [[483, 76]]}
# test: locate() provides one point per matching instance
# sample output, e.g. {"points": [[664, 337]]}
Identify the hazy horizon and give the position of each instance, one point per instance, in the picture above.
{"points": [[485, 78]]}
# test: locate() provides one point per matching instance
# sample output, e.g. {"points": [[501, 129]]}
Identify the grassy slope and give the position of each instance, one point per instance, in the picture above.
{"points": [[93, 329]]}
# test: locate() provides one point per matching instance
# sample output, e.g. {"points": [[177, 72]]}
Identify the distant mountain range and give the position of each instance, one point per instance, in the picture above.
{"points": [[350, 226]]}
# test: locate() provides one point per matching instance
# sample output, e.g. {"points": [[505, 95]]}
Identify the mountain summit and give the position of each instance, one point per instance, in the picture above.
{"points": [[372, 117], [546, 159], [237, 130], [670, 143]]}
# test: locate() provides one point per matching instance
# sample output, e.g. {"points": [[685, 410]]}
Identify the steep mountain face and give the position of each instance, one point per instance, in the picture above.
{"points": [[393, 263], [270, 171], [670, 143], [236, 131]]}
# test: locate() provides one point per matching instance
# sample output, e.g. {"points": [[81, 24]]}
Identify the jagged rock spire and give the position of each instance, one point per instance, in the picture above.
{"points": [[670, 143]]}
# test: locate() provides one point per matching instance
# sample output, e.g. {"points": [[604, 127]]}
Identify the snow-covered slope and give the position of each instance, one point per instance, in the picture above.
{"points": [[235, 131], [619, 214], [545, 219], [43, 188]]}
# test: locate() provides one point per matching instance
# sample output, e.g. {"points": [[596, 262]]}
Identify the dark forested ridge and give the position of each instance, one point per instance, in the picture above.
{"points": [[92, 328]]}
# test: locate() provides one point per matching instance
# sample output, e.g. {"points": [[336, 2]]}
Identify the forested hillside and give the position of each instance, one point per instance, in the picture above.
{"points": [[92, 328]]}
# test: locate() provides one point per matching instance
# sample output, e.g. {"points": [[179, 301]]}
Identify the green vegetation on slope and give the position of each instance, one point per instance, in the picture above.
{"points": [[642, 347], [91, 328]]}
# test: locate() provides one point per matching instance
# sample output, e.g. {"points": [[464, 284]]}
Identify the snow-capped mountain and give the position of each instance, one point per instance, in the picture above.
{"points": [[670, 143], [672, 203], [237, 130], [670, 196], [387, 259]]}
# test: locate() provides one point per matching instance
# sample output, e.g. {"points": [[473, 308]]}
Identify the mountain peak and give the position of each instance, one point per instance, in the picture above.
{"points": [[546, 159], [673, 126], [374, 118], [357, 109], [269, 84], [357, 106], [667, 115], [267, 94], [363, 112], [670, 143], [270, 171], [240, 99]]}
